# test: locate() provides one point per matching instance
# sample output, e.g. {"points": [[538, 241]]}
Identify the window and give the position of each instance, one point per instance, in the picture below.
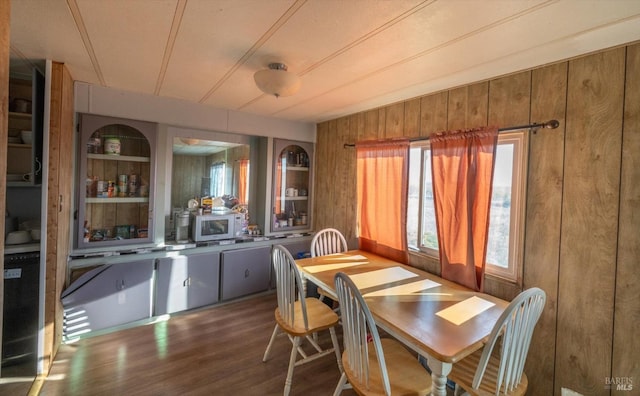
{"points": [[506, 228], [217, 174]]}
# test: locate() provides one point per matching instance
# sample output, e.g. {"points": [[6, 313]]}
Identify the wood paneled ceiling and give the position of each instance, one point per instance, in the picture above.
{"points": [[351, 55]]}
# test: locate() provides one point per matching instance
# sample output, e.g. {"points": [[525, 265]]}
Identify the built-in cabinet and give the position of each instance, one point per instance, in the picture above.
{"points": [[25, 128], [291, 186], [117, 179], [186, 282], [115, 295], [245, 271], [108, 296]]}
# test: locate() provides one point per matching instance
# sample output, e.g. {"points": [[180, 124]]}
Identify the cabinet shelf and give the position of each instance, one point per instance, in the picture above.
{"points": [[298, 198], [108, 157], [15, 114], [117, 200], [19, 184], [297, 168], [20, 145]]}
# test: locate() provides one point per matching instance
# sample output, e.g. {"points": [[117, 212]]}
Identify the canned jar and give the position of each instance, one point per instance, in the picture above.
{"points": [[101, 189], [112, 146], [111, 189]]}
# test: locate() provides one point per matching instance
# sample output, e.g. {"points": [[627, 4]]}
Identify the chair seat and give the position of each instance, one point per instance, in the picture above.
{"points": [[464, 371], [320, 317], [406, 375]]}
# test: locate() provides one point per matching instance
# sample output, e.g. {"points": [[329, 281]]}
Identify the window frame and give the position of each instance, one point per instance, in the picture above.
{"points": [[520, 142]]}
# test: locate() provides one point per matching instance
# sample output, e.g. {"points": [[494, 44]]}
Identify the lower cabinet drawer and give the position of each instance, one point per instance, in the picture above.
{"points": [[245, 271]]}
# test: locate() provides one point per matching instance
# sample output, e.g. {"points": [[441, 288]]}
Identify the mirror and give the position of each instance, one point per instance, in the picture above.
{"points": [[212, 168]]}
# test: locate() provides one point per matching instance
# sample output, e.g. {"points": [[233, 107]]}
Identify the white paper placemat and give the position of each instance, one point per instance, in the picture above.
{"points": [[406, 289], [380, 277], [464, 310]]}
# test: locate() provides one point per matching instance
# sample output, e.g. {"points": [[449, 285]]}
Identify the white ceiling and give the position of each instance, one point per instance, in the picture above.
{"points": [[350, 55]]}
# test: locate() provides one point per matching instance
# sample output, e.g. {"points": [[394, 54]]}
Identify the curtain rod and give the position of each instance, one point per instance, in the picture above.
{"points": [[551, 124]]}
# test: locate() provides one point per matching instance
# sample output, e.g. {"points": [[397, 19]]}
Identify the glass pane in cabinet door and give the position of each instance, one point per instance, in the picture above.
{"points": [[118, 169], [291, 188]]}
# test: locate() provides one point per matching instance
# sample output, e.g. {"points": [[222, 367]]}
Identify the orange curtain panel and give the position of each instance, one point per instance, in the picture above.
{"points": [[382, 171], [462, 172], [243, 183]]}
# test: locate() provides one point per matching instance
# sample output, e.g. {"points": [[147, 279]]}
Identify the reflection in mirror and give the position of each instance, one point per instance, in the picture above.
{"points": [[205, 168]]}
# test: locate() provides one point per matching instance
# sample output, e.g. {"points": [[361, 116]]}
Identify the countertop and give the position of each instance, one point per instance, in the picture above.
{"points": [[22, 248]]}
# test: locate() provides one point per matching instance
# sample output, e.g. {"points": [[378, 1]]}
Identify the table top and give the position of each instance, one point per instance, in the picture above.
{"points": [[427, 313]]}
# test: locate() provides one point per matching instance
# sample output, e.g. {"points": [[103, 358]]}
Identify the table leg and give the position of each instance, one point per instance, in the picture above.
{"points": [[439, 371]]}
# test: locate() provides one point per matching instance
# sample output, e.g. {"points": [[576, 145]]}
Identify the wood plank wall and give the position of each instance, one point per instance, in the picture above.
{"points": [[5, 13], [59, 198], [627, 310], [582, 243], [186, 181]]}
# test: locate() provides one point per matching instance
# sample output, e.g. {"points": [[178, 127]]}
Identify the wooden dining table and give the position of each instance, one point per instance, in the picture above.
{"points": [[440, 320]]}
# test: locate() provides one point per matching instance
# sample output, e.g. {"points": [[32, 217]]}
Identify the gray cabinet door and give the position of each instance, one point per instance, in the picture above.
{"points": [[187, 282], [108, 297], [245, 271], [298, 248]]}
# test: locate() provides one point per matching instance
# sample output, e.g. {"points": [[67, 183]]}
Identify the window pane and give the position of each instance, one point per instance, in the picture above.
{"points": [[500, 222], [217, 173], [413, 205], [429, 238]]}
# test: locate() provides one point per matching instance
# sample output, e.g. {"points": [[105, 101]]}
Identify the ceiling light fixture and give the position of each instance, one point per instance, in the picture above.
{"points": [[277, 81], [190, 141]]}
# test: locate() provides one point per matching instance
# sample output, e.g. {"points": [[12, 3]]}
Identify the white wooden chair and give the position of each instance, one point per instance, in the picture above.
{"points": [[374, 366], [327, 241], [299, 317], [500, 371]]}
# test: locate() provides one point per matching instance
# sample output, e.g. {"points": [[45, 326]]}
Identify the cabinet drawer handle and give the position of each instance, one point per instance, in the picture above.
{"points": [[187, 282], [246, 273], [38, 166], [120, 284]]}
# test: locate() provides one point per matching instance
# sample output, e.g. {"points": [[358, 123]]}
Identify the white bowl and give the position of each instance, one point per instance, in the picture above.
{"points": [[26, 136], [18, 237], [35, 234]]}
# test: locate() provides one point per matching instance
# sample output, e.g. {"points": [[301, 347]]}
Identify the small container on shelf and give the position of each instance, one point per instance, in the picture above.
{"points": [[112, 146], [133, 185], [94, 145], [123, 231], [111, 189], [92, 187], [26, 137]]}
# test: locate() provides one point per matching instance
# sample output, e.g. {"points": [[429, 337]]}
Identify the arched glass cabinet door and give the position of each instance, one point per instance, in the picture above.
{"points": [[116, 182], [291, 212]]}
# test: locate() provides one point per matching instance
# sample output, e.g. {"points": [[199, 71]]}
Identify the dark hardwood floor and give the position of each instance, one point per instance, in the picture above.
{"points": [[215, 351]]}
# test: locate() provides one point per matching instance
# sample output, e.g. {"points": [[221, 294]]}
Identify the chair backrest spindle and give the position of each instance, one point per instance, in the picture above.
{"points": [[358, 324], [328, 241], [289, 287], [515, 328]]}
